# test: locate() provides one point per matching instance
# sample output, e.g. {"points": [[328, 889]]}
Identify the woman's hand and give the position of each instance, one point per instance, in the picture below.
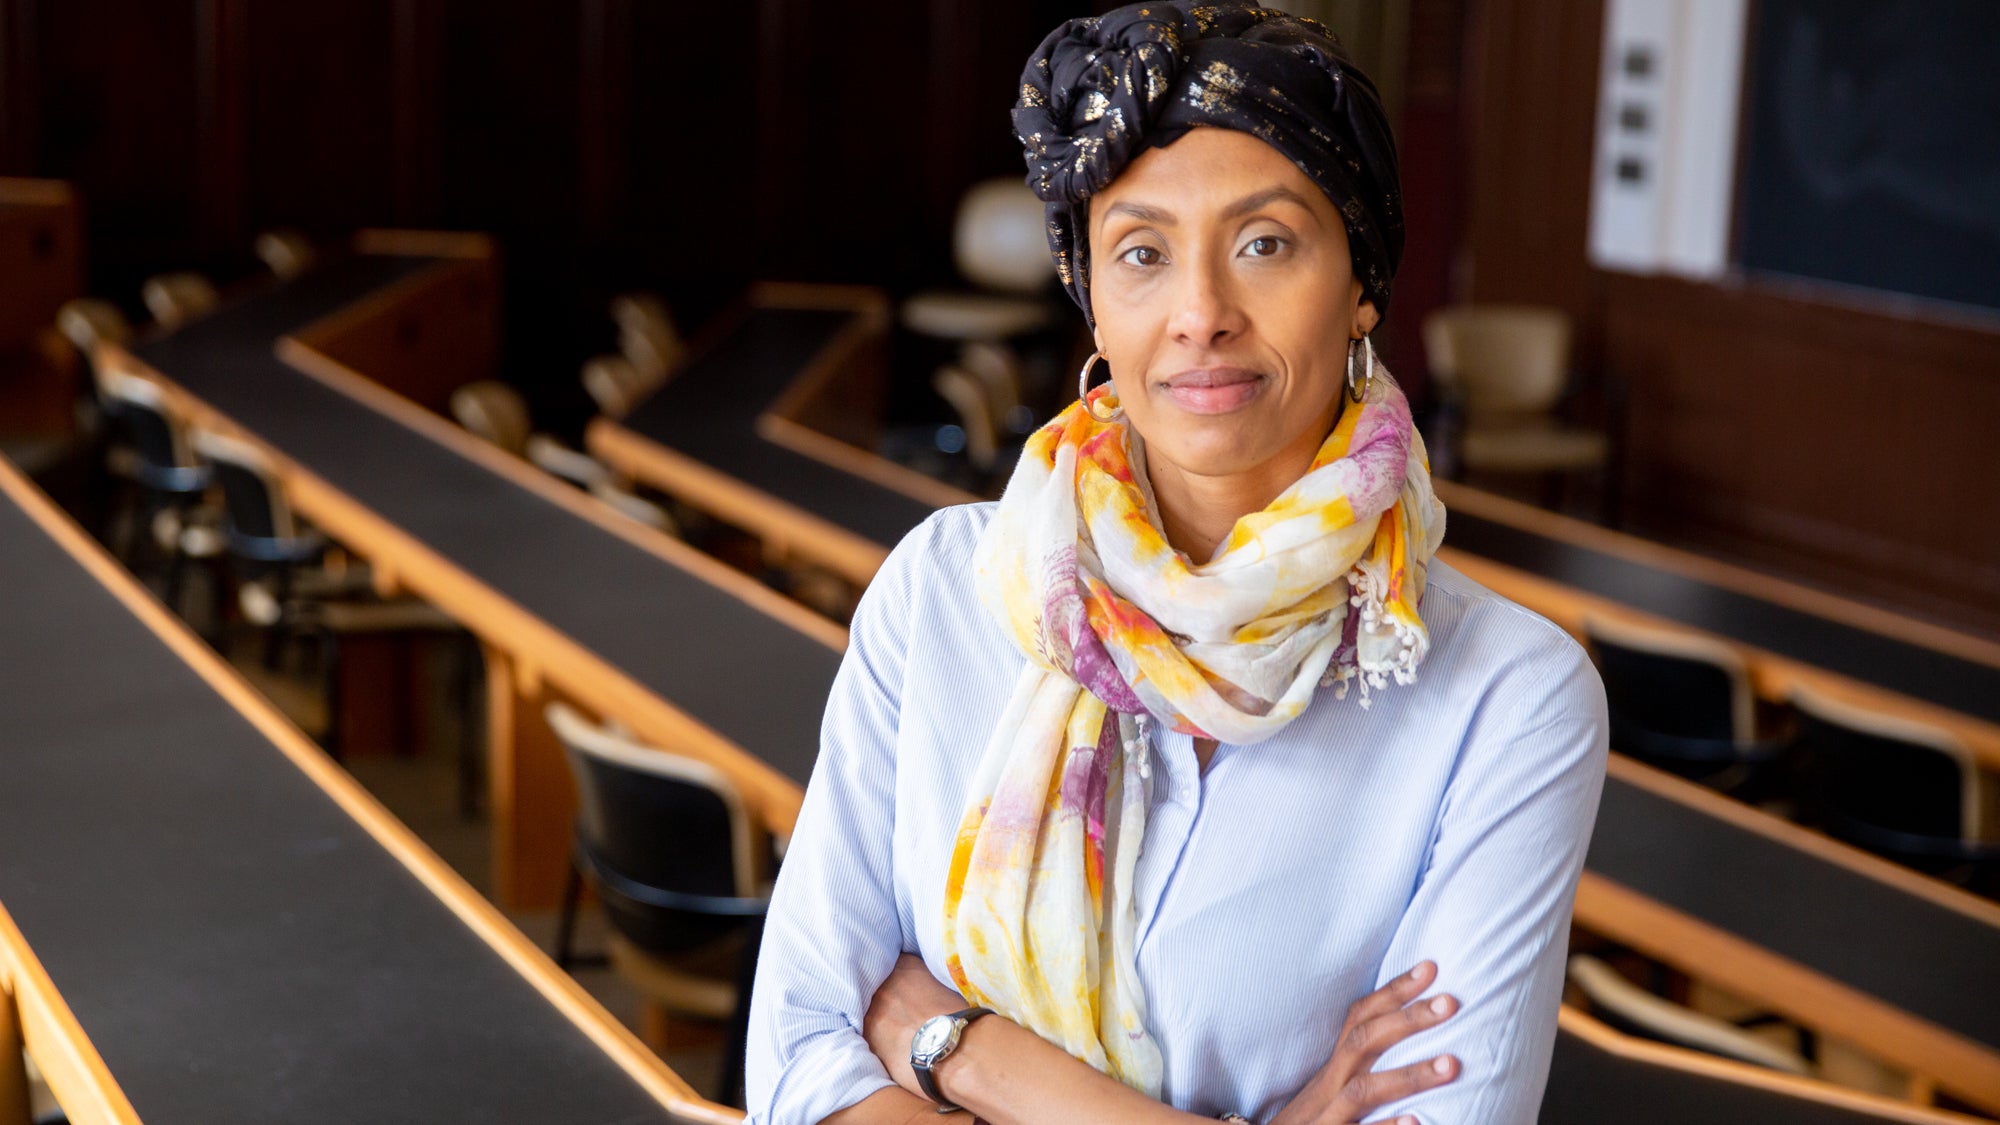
{"points": [[1346, 1089], [906, 999]]}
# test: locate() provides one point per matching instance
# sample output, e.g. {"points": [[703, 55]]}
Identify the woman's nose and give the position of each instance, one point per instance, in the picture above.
{"points": [[1207, 308]]}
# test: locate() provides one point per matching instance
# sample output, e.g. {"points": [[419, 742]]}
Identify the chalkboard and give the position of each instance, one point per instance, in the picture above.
{"points": [[1871, 153]]}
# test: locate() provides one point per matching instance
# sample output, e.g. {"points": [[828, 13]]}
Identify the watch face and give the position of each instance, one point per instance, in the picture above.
{"points": [[933, 1036]]}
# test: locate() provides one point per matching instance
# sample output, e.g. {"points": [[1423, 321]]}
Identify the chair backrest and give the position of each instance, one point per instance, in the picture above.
{"points": [[1887, 771], [1633, 1010], [176, 298], [616, 384], [494, 411], [1504, 359], [252, 496], [657, 819], [967, 396], [1001, 240], [997, 366], [141, 407], [1674, 683], [89, 321], [287, 253], [647, 335]]}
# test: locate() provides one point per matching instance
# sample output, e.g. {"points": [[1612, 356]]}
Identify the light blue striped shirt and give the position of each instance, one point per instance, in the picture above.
{"points": [[1447, 821]]}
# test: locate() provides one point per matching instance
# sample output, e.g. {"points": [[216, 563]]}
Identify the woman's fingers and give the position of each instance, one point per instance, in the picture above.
{"points": [[1391, 996], [1372, 1090], [1366, 1041]]}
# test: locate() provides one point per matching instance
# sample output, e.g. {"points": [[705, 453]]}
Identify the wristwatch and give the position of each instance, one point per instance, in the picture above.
{"points": [[935, 1040]]}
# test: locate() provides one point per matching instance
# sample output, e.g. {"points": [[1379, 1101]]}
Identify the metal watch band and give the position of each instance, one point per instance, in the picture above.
{"points": [[926, 1081]]}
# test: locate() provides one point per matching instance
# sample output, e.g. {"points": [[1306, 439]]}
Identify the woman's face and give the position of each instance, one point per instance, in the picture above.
{"points": [[1225, 300]]}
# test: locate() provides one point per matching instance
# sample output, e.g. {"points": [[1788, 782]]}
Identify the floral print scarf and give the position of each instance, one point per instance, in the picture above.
{"points": [[1321, 588]]}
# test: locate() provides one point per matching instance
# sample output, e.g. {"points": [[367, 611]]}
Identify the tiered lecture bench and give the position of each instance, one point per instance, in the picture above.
{"points": [[1856, 947], [569, 598], [203, 920]]}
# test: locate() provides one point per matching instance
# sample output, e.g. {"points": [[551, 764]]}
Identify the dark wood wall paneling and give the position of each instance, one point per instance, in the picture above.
{"points": [[609, 143], [1431, 163], [1844, 438]]}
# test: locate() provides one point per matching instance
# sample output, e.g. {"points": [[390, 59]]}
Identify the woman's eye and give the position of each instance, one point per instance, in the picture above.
{"points": [[1141, 256], [1264, 247]]}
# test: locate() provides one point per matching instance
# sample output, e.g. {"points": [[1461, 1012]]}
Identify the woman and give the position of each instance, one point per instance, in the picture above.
{"points": [[1140, 758]]}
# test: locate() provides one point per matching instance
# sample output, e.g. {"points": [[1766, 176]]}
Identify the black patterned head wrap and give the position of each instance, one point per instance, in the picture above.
{"points": [[1100, 90]]}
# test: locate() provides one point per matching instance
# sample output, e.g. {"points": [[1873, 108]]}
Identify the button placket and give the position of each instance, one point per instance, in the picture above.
{"points": [[1170, 824]]}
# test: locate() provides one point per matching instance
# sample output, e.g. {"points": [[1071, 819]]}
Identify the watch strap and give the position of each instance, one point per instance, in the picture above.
{"points": [[926, 1080]]}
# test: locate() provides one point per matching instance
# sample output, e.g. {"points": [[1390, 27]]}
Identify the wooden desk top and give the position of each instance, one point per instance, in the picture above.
{"points": [[207, 921]]}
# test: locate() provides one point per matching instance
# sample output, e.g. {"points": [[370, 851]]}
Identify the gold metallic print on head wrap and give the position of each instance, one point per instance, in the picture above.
{"points": [[1100, 90], [1214, 88]]}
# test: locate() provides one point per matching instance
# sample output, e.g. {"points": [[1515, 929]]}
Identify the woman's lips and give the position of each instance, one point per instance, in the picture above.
{"points": [[1213, 390]]}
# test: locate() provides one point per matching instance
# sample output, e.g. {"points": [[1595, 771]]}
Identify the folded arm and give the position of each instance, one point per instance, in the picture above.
{"points": [[1493, 906]]}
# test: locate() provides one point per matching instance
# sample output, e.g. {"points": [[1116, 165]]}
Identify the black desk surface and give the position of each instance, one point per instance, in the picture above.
{"points": [[1908, 951], [641, 614], [1860, 654], [708, 411], [236, 947]]}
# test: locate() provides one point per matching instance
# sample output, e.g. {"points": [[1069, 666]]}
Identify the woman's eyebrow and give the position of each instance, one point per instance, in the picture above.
{"points": [[1145, 213], [1257, 199]]}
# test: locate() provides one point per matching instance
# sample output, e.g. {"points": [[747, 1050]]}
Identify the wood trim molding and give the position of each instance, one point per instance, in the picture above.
{"points": [[863, 463], [479, 915], [1603, 1037], [426, 243], [75, 1072], [1611, 910], [783, 526]]}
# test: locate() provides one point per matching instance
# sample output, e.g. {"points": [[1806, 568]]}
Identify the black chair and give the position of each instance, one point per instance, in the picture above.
{"points": [[680, 869], [1683, 702], [288, 591], [173, 482], [1633, 1010], [1900, 789]]}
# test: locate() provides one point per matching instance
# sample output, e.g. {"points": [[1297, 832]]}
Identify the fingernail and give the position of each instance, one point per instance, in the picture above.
{"points": [[1441, 1005], [1418, 972], [1406, 1121], [1442, 1065]]}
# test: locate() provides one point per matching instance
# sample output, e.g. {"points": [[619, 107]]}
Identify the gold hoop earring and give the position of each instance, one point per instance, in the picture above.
{"points": [[1368, 369], [1083, 391]]}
